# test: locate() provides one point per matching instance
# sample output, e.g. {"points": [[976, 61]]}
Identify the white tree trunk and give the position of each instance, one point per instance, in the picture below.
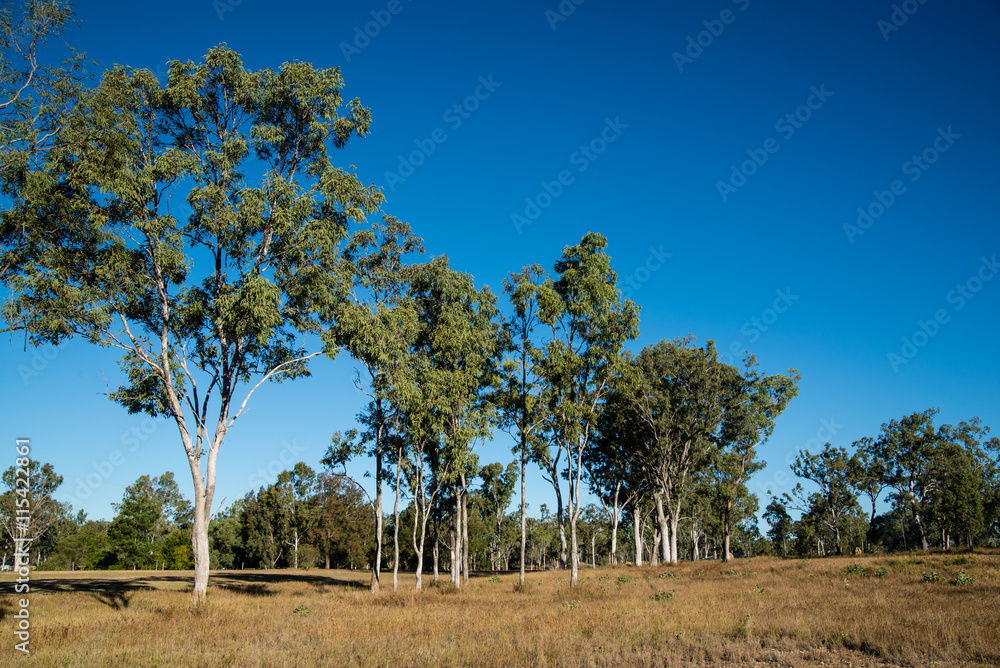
{"points": [[637, 533]]}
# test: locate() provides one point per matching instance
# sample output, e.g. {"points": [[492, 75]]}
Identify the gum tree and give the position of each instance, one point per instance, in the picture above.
{"points": [[455, 360], [753, 403], [677, 396], [36, 99], [208, 304], [376, 324], [520, 407], [590, 324]]}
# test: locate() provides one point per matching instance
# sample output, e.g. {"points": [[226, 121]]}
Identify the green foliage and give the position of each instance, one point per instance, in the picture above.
{"points": [[495, 578], [961, 560], [855, 569], [624, 579], [961, 578], [132, 536], [662, 596], [666, 574], [41, 526], [931, 577]]}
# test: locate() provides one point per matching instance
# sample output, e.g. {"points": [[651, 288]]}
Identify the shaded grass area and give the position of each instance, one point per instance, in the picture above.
{"points": [[849, 611]]}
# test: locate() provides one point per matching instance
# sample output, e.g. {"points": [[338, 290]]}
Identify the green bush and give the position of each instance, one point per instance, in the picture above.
{"points": [[931, 577], [963, 579], [855, 569]]}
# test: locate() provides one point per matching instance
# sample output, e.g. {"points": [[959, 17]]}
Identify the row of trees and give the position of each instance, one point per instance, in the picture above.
{"points": [[942, 484], [307, 519]]}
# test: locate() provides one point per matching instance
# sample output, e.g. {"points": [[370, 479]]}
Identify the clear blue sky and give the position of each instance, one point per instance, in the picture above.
{"points": [[644, 110]]}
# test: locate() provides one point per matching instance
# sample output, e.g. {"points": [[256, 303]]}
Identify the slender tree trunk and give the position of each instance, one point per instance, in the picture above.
{"points": [[379, 529], [395, 527], [524, 520], [924, 544], [675, 525], [418, 547], [661, 520], [453, 558], [637, 533], [465, 530], [727, 529], [456, 541], [435, 552], [561, 521], [574, 550]]}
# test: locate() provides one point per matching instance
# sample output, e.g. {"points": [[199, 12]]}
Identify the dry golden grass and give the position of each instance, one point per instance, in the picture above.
{"points": [[750, 612]]}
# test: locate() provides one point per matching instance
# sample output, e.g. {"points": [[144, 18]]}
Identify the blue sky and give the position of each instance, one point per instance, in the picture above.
{"points": [[722, 147]]}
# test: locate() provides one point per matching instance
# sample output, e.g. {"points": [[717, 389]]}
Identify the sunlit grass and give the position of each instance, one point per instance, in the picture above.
{"points": [[844, 611]]}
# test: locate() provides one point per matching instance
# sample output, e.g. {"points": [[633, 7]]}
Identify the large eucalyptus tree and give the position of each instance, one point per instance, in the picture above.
{"points": [[214, 216], [590, 324], [456, 357], [377, 325]]}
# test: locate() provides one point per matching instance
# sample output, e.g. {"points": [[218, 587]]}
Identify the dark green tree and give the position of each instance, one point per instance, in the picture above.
{"points": [[780, 523], [132, 536]]}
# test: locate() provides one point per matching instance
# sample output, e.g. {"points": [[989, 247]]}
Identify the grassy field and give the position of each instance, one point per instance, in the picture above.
{"points": [[849, 611]]}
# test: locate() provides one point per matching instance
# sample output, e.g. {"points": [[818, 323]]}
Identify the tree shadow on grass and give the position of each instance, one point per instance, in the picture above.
{"points": [[115, 590], [116, 600], [252, 589]]}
